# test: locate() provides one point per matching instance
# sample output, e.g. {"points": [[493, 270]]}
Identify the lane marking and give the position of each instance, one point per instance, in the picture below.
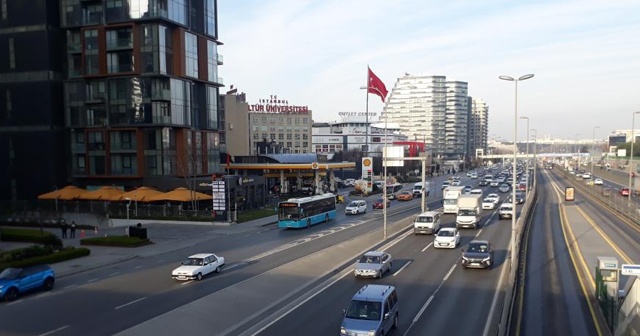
{"points": [[54, 330], [424, 307], [186, 282], [70, 286], [450, 271], [114, 273], [426, 247], [92, 280], [401, 268], [130, 303], [138, 267]]}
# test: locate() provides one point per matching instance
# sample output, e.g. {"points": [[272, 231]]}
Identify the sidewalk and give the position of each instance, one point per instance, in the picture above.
{"points": [[166, 237]]}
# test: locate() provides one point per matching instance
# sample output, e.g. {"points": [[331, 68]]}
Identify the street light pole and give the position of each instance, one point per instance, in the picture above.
{"points": [[535, 154], [527, 162], [515, 166], [577, 150], [128, 206], [366, 121], [593, 147], [633, 139]]}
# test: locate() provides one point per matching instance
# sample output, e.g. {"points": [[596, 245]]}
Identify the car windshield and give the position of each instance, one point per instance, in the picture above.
{"points": [[353, 204], [379, 200], [450, 201], [370, 259], [445, 233], [478, 248], [424, 219], [466, 212], [193, 262], [364, 310], [10, 273]]}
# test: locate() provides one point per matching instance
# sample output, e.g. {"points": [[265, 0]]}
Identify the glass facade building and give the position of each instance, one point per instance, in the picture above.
{"points": [[141, 90], [33, 149]]}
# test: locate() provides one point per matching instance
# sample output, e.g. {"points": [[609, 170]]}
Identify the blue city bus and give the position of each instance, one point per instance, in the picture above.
{"points": [[306, 211]]}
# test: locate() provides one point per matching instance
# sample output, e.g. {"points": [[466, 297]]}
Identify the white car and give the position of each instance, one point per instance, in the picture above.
{"points": [[494, 197], [447, 238], [488, 204], [494, 183], [356, 207], [197, 266], [597, 181]]}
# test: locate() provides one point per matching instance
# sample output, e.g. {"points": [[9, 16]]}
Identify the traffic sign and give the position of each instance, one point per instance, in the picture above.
{"points": [[630, 269]]}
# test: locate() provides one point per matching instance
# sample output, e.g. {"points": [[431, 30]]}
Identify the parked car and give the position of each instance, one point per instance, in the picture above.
{"points": [[373, 264], [447, 238], [477, 254], [380, 203], [197, 266], [356, 207], [405, 196], [624, 192], [17, 281]]}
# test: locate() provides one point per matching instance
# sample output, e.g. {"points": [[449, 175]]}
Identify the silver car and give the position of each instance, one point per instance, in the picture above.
{"points": [[373, 264]]}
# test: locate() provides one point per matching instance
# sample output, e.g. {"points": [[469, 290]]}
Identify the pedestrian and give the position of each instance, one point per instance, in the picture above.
{"points": [[73, 229], [63, 226]]}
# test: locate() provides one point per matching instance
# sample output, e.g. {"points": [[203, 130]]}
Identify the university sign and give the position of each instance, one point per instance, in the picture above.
{"points": [[275, 105]]}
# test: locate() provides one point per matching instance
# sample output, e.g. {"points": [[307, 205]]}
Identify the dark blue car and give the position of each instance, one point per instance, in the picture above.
{"points": [[17, 281]]}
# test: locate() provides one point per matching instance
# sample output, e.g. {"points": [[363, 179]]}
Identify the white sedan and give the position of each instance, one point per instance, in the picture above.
{"points": [[598, 181], [488, 204], [494, 197], [197, 266], [447, 238]]}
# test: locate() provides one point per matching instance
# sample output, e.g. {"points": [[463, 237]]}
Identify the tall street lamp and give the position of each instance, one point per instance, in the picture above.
{"points": [[515, 166], [577, 150], [593, 147], [527, 161], [633, 140], [535, 154]]}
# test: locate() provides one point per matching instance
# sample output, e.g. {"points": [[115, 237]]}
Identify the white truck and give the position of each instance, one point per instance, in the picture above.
{"points": [[417, 189], [450, 199], [469, 211]]}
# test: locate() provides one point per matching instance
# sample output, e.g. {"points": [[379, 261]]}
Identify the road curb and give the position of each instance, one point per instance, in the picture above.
{"points": [[84, 269]]}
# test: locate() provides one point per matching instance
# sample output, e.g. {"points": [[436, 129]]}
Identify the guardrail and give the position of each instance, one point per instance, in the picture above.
{"points": [[515, 277]]}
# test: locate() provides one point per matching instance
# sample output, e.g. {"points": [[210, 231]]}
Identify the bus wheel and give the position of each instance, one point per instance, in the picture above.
{"points": [[308, 222], [326, 218]]}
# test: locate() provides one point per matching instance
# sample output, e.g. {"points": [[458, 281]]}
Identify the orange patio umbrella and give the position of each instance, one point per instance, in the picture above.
{"points": [[103, 194], [67, 193], [141, 194], [181, 195]]}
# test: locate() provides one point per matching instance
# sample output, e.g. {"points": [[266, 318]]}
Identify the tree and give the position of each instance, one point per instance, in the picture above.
{"points": [[189, 164]]}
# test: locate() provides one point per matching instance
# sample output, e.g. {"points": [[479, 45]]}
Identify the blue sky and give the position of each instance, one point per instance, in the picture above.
{"points": [[585, 56]]}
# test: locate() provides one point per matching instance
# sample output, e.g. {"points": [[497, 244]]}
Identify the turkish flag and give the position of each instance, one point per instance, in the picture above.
{"points": [[376, 86]]}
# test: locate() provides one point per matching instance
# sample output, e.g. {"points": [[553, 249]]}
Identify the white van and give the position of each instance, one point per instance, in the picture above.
{"points": [[427, 223], [417, 189]]}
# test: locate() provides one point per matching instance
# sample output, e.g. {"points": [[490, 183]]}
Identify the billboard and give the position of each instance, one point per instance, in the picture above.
{"points": [[622, 152], [391, 153]]}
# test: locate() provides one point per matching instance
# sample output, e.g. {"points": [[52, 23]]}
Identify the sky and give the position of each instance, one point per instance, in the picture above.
{"points": [[585, 56]]}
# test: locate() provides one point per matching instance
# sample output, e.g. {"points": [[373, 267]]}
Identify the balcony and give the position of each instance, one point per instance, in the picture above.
{"points": [[219, 59], [161, 95], [120, 44], [78, 148]]}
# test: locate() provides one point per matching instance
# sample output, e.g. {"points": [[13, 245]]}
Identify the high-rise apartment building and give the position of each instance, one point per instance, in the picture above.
{"points": [[33, 154], [478, 126], [141, 90], [433, 110]]}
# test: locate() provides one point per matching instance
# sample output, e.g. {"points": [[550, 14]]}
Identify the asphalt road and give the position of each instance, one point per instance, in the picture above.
{"points": [[551, 291], [433, 289], [110, 299]]}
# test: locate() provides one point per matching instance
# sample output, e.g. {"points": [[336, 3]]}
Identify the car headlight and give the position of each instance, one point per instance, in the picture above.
{"points": [[465, 258], [371, 333], [487, 258], [343, 331]]}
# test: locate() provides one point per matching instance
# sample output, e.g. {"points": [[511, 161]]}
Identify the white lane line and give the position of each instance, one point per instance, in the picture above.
{"points": [[114, 273], [70, 286], [130, 303], [138, 267], [54, 330], [14, 302], [401, 268], [449, 273], [424, 307], [479, 232], [186, 282], [92, 280], [426, 247]]}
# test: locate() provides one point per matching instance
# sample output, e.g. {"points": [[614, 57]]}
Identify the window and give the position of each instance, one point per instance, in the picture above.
{"points": [[212, 63], [191, 55], [120, 61], [9, 104], [119, 38], [210, 17], [3, 9], [12, 54]]}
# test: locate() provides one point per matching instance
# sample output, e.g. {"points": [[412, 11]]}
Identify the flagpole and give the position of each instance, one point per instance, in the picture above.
{"points": [[366, 115]]}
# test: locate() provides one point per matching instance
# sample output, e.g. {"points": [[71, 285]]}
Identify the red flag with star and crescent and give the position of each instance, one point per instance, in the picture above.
{"points": [[376, 86]]}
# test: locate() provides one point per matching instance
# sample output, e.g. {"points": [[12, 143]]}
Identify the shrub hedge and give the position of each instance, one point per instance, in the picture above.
{"points": [[116, 241], [65, 254], [30, 236]]}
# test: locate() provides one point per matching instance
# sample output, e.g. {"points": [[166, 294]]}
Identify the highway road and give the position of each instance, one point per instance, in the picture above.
{"points": [[434, 290], [551, 291], [110, 299]]}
